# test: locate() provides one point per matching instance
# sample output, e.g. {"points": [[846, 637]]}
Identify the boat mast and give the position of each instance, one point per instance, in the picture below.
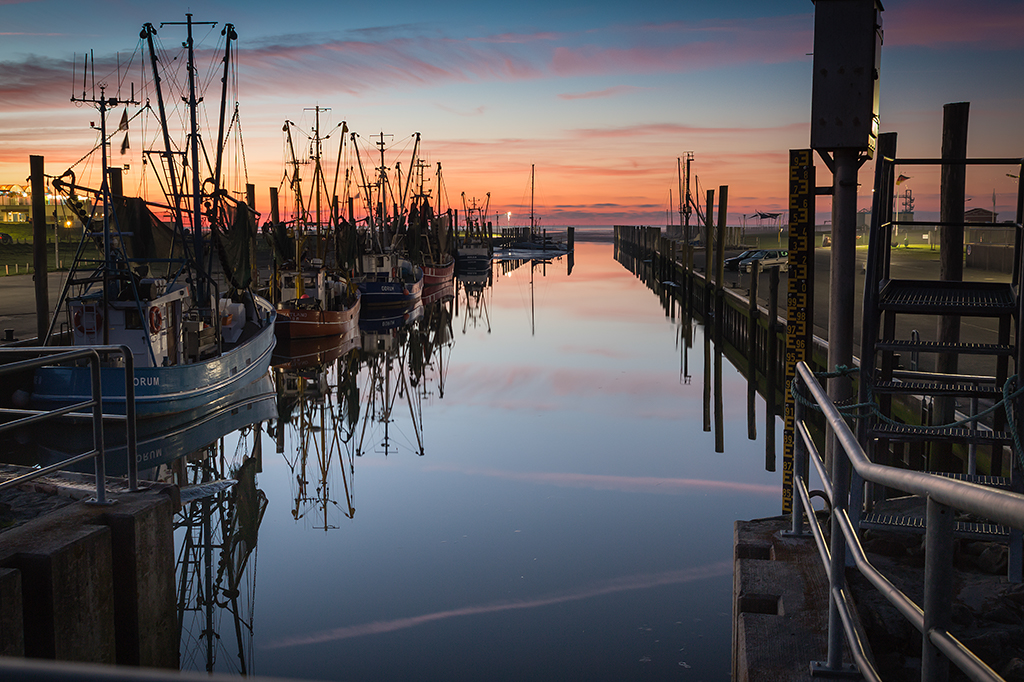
{"points": [[148, 32], [193, 105], [413, 161], [317, 174], [366, 190], [382, 178], [531, 202], [688, 203], [337, 171], [679, 176], [197, 225], [229, 35], [300, 208]]}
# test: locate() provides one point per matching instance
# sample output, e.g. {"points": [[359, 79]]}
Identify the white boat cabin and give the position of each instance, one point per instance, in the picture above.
{"points": [[158, 328]]}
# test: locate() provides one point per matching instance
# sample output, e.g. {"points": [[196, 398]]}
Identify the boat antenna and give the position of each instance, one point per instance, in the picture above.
{"points": [[103, 104]]}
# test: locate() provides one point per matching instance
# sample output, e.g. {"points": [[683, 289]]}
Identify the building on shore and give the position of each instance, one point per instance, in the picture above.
{"points": [[16, 209]]}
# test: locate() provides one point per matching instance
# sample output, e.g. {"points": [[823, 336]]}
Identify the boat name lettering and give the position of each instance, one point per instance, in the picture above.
{"points": [[146, 456], [147, 381]]}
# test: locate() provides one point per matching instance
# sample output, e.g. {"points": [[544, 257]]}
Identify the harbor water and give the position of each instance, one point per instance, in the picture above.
{"points": [[568, 518]]}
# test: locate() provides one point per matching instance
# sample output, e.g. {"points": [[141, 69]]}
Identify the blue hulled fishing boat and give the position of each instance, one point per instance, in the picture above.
{"points": [[197, 333]]}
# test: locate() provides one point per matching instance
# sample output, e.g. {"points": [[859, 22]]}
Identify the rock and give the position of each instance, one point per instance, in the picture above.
{"points": [[1001, 613], [993, 559], [1013, 671], [962, 615], [886, 546]]}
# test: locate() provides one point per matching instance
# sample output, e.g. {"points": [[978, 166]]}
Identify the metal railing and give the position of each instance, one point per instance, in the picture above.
{"points": [[934, 617], [45, 356]]}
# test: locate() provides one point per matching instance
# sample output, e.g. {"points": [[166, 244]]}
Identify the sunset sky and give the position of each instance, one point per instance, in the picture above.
{"points": [[602, 97]]}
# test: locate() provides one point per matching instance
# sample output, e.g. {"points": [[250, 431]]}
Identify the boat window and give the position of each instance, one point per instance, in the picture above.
{"points": [[132, 319]]}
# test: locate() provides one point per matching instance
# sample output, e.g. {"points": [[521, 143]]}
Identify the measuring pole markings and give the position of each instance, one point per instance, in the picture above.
{"points": [[799, 299]]}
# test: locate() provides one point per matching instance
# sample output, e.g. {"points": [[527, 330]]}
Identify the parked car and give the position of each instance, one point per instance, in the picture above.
{"points": [[767, 258], [5, 239], [733, 262]]}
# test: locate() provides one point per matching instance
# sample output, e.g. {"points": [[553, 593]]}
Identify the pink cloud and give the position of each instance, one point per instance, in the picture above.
{"points": [[357, 67], [948, 23], [697, 46], [607, 92], [662, 129], [519, 38]]}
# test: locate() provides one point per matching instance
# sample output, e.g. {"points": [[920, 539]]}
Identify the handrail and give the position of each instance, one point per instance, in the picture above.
{"points": [[49, 355], [942, 494]]}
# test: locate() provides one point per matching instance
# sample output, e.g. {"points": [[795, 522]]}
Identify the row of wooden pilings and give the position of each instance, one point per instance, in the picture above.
{"points": [[750, 335]]}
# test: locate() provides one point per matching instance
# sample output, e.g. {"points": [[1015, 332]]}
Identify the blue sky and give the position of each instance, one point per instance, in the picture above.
{"points": [[601, 97]]}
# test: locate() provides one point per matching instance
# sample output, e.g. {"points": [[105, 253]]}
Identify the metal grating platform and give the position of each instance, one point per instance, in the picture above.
{"points": [[947, 298]]}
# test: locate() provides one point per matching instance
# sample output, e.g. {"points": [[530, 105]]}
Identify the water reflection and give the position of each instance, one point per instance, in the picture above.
{"points": [[318, 400], [217, 535], [570, 518], [400, 364], [471, 297], [712, 311]]}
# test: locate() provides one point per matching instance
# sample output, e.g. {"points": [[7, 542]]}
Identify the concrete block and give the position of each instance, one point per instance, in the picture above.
{"points": [[97, 582], [780, 603], [67, 591], [12, 629], [145, 609]]}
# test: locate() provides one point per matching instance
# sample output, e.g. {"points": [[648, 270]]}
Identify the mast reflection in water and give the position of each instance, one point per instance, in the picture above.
{"points": [[537, 496]]}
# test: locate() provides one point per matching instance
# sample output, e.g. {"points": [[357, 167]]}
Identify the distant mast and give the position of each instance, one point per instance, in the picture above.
{"points": [[531, 202]]}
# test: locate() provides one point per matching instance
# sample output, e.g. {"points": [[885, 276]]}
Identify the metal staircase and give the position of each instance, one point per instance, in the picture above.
{"points": [[891, 305]]}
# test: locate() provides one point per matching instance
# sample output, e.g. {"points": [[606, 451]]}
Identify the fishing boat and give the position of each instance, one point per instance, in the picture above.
{"points": [[194, 337], [438, 274], [314, 299], [385, 275], [473, 254], [390, 281], [430, 234], [319, 306]]}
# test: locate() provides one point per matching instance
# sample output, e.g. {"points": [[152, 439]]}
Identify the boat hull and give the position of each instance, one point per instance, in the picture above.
{"points": [[167, 390], [434, 275], [171, 437], [303, 323], [391, 293], [473, 259]]}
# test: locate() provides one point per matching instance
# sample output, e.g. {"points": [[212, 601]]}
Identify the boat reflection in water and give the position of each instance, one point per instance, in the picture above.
{"points": [[216, 532], [162, 441], [318, 401], [471, 287], [330, 401], [400, 356]]}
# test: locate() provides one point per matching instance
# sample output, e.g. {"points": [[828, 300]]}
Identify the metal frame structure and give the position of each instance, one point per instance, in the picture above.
{"points": [[55, 355], [943, 495]]}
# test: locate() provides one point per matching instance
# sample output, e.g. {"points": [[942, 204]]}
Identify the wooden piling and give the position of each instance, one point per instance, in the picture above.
{"points": [[39, 246], [752, 355], [771, 369], [708, 228], [951, 258]]}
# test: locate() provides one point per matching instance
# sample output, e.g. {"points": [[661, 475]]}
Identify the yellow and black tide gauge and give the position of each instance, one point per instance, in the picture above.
{"points": [[800, 297]]}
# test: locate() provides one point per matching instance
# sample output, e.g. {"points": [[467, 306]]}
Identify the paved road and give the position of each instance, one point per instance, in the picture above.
{"points": [[18, 302]]}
